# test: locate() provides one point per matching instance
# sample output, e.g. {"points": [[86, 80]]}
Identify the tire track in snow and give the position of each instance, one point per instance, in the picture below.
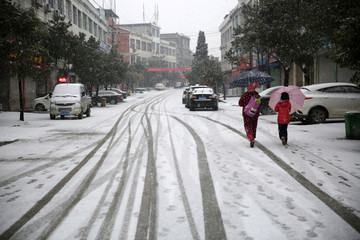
{"points": [[213, 223], [146, 226], [44, 166], [109, 221], [344, 212], [185, 200], [8, 233], [85, 185]]}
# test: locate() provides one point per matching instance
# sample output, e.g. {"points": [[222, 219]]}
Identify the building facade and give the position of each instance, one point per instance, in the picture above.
{"points": [[85, 18], [145, 44], [184, 55]]}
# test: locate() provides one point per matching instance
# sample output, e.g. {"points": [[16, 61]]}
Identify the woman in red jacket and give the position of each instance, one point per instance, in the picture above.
{"points": [[283, 107]]}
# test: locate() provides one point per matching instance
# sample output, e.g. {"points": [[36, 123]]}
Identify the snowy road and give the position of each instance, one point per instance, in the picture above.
{"points": [[149, 168]]}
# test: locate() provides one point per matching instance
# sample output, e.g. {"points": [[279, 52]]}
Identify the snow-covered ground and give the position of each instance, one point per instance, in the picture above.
{"points": [[315, 179]]}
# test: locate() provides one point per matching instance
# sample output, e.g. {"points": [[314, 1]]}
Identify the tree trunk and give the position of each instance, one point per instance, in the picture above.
{"points": [[250, 61], [224, 91], [287, 75], [305, 70], [21, 98], [268, 62]]}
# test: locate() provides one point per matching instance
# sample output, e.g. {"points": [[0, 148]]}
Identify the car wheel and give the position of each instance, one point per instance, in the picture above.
{"points": [[88, 111], [40, 107], [317, 115], [191, 108], [80, 116], [52, 116], [113, 101], [215, 108], [62, 116]]}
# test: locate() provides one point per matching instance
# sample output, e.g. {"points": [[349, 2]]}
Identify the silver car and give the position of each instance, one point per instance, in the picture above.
{"points": [[328, 100], [41, 103], [69, 99]]}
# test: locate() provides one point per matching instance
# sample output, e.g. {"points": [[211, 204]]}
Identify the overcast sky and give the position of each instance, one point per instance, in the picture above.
{"points": [[182, 16]]}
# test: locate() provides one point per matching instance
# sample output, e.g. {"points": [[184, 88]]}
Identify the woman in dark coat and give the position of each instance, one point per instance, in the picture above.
{"points": [[250, 123]]}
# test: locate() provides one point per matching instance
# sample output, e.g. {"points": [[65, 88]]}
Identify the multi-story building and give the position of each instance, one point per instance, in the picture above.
{"points": [[231, 21], [84, 17], [183, 53], [145, 44]]}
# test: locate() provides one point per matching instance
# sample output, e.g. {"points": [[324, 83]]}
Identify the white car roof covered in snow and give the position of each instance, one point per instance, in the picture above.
{"points": [[316, 87]]}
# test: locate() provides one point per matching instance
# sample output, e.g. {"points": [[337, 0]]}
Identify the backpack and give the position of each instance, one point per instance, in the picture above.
{"points": [[252, 107]]}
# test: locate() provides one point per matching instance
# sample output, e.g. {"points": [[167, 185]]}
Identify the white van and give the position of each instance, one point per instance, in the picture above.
{"points": [[159, 86], [69, 99]]}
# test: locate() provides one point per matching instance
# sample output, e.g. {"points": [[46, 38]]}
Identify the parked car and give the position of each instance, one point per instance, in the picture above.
{"points": [[203, 98], [265, 96], [190, 91], [328, 100], [159, 86], [117, 91], [186, 90], [111, 96], [69, 99], [41, 103], [178, 85]]}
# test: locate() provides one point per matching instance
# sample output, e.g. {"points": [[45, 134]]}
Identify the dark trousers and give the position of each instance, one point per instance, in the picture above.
{"points": [[283, 131]]}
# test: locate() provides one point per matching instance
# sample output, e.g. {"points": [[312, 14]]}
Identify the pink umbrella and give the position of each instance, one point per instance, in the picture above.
{"points": [[296, 97]]}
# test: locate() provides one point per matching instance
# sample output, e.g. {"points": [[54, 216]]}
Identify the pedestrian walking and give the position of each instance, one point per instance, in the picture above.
{"points": [[250, 121], [283, 108]]}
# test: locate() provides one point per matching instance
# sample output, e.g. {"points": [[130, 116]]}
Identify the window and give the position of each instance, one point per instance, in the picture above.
{"points": [[79, 18], [338, 89], [61, 6], [51, 3], [104, 35], [95, 30], [100, 33], [85, 25], [74, 15], [137, 44], [90, 25], [132, 43], [351, 89], [148, 47], [143, 46], [68, 9]]}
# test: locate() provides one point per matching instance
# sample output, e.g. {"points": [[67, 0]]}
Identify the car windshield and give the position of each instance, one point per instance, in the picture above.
{"points": [[66, 90]]}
